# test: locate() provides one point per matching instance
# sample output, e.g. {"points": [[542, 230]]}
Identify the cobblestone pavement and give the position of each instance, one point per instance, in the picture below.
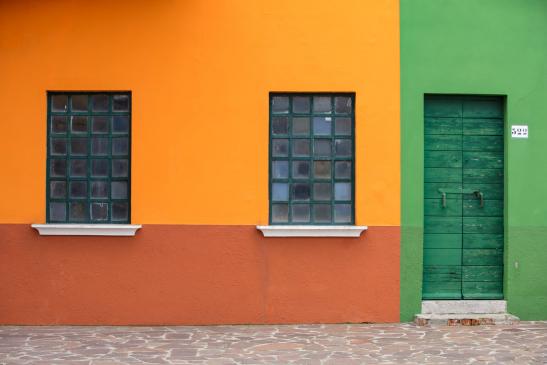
{"points": [[341, 344]]}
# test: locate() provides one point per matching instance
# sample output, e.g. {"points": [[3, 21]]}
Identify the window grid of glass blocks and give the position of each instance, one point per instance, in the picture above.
{"points": [[312, 159], [88, 161]]}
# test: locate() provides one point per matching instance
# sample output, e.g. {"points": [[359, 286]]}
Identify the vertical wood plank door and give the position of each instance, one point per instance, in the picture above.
{"points": [[463, 197]]}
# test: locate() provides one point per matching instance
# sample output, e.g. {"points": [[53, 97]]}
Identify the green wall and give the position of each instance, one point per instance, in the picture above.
{"points": [[493, 47]]}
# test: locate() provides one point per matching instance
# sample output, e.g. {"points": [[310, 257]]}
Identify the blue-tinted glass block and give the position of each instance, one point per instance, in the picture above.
{"points": [[342, 213], [342, 191], [280, 192], [280, 169], [120, 124], [342, 147], [57, 211], [322, 126]]}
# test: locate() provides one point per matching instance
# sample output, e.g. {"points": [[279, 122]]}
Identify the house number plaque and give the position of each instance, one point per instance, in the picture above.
{"points": [[519, 131]]}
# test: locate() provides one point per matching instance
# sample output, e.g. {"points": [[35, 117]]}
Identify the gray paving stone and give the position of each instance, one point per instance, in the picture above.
{"points": [[524, 343]]}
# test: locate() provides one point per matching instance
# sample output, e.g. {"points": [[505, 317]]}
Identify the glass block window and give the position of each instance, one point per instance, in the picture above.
{"points": [[312, 158], [88, 160]]}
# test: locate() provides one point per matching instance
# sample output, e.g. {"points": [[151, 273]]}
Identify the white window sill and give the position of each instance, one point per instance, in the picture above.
{"points": [[86, 229], [311, 231]]}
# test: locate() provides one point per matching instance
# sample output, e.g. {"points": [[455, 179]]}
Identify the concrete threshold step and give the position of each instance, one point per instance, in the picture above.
{"points": [[465, 319], [464, 306]]}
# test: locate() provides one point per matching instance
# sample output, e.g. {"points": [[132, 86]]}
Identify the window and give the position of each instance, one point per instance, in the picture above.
{"points": [[312, 158], [88, 160]]}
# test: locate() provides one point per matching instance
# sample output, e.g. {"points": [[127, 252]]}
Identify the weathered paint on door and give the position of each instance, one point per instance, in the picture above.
{"points": [[463, 198]]}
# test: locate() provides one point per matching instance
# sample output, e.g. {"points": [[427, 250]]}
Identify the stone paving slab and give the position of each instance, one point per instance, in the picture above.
{"points": [[339, 344]]}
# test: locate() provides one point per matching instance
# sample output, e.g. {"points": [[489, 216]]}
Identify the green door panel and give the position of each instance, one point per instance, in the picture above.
{"points": [[439, 142], [441, 290], [482, 224], [443, 107], [444, 126], [443, 273], [483, 241], [434, 207], [431, 190], [482, 176], [490, 208], [443, 240], [482, 143], [489, 191], [463, 198], [442, 256], [482, 289], [482, 257], [482, 273], [443, 159], [442, 224], [483, 160], [482, 108], [483, 127], [435, 174]]}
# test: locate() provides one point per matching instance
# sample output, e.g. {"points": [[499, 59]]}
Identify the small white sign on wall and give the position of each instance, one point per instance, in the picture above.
{"points": [[519, 131]]}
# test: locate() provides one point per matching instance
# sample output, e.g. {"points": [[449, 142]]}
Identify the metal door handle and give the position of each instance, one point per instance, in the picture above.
{"points": [[477, 193], [480, 195]]}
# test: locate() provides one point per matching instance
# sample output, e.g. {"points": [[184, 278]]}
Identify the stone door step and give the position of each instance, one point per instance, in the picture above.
{"points": [[464, 306], [466, 319]]}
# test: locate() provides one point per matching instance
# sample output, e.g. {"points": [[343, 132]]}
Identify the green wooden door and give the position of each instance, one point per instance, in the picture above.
{"points": [[463, 198]]}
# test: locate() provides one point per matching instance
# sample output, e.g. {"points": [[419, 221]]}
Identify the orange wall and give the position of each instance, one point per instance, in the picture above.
{"points": [[200, 72], [179, 274]]}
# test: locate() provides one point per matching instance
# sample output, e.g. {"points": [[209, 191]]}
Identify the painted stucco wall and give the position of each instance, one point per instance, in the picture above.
{"points": [[195, 274], [495, 47], [200, 73]]}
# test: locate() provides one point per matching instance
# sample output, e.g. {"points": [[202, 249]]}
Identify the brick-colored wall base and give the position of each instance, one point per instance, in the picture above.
{"points": [[177, 274]]}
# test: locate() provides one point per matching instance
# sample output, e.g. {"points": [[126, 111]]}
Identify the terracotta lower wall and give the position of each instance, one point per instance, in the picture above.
{"points": [[177, 274]]}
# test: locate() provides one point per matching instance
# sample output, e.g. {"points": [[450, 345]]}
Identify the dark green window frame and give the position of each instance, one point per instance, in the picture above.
{"points": [[88, 157], [312, 164]]}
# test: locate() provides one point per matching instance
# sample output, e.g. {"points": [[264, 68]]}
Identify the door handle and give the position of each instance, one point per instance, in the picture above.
{"points": [[477, 194], [444, 199], [480, 195]]}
